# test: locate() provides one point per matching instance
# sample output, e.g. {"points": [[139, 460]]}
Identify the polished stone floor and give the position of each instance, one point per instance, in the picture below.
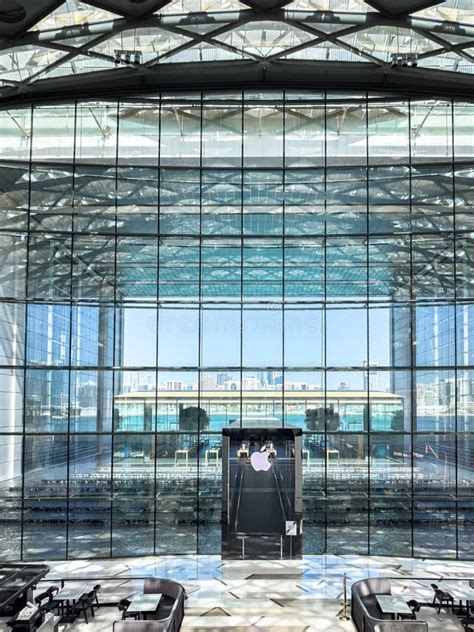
{"points": [[278, 595]]}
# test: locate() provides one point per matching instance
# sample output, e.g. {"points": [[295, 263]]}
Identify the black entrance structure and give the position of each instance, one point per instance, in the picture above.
{"points": [[261, 493]]}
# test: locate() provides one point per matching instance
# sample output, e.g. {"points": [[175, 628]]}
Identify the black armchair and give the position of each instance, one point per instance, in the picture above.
{"points": [[96, 603], [82, 606], [123, 607], [414, 606], [442, 597], [45, 602]]}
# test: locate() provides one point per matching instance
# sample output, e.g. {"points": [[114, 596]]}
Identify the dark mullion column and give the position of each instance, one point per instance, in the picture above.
{"points": [[242, 158], [25, 370], [324, 321], [158, 240], [71, 287], [456, 374], [367, 285], [283, 245], [412, 319], [200, 316], [117, 322]]}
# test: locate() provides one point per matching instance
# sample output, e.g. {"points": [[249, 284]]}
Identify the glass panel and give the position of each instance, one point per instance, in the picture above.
{"points": [[96, 132], [342, 347], [219, 400], [303, 336], [347, 526], [23, 62], [220, 337], [390, 464], [180, 139], [178, 268], [346, 194], [91, 401], [152, 42], [12, 332], [389, 199], [390, 527], [46, 404], [48, 334], [11, 407], [137, 344], [176, 493], [262, 269], [304, 202], [136, 268], [303, 269], [346, 268], [73, 12], [434, 464], [388, 133], [465, 458], [179, 337], [134, 401], [434, 528], [303, 402], [49, 267], [221, 130], [435, 401], [390, 268], [264, 38], [178, 399], [14, 186], [263, 133], [92, 342], [10, 533], [13, 265], [15, 133], [47, 142], [346, 134], [465, 401], [390, 400], [93, 268], [261, 328], [435, 335], [431, 131]]}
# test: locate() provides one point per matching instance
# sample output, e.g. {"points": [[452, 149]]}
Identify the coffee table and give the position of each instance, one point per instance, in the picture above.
{"points": [[393, 605], [142, 604]]}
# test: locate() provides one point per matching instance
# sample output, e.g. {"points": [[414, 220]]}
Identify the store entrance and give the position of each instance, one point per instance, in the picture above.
{"points": [[261, 493]]}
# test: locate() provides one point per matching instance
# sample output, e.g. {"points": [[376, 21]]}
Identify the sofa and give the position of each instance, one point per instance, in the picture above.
{"points": [[170, 612], [367, 616], [402, 626]]}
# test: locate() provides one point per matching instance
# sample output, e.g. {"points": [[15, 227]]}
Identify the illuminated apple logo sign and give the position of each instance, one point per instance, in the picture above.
{"points": [[260, 461]]}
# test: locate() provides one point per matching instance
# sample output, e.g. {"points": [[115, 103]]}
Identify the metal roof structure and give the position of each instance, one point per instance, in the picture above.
{"points": [[56, 49]]}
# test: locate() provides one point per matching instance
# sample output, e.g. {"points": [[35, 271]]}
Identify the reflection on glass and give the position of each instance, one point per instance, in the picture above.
{"points": [[176, 266]]}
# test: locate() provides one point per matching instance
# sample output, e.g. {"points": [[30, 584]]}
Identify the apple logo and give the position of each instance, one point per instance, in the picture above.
{"points": [[261, 460]]}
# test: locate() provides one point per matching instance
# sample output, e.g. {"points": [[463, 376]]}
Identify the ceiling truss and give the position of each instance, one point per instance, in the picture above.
{"points": [[248, 64]]}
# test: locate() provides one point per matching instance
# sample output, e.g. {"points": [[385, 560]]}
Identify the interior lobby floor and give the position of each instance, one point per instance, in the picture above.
{"points": [[265, 595]]}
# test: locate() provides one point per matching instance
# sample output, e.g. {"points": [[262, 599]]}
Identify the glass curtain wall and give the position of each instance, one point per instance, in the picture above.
{"points": [[175, 265]]}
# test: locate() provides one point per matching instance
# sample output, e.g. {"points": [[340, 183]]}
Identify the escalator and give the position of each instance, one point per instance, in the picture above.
{"points": [[258, 504], [259, 509]]}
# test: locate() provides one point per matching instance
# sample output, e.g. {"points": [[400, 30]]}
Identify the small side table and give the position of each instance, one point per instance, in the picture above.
{"points": [[212, 455], [178, 457], [332, 456], [305, 456]]}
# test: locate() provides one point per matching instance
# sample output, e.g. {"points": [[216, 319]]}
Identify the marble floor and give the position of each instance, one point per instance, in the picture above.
{"points": [[294, 596]]}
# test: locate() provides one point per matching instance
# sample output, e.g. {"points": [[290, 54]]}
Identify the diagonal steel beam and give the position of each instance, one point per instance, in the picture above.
{"points": [[362, 20]]}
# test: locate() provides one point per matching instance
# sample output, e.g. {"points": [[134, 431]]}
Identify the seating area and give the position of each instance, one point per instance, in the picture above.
{"points": [[375, 608], [159, 608]]}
